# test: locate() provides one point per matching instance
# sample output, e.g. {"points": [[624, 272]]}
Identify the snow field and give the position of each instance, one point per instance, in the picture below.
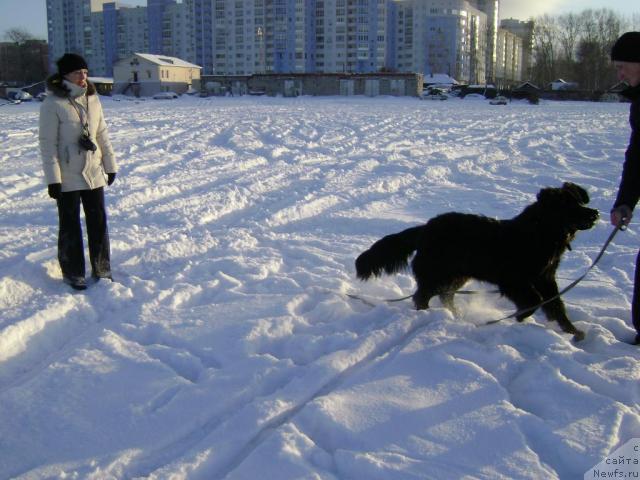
{"points": [[228, 348]]}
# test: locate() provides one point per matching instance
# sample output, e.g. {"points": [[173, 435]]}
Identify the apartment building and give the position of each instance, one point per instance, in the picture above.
{"points": [[69, 28], [117, 33], [177, 37], [241, 37], [524, 30], [104, 31], [490, 35], [352, 35], [225, 34], [509, 56], [238, 37], [441, 36]]}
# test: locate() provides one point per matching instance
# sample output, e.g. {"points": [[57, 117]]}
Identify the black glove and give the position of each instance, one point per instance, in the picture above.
{"points": [[110, 178], [55, 190], [621, 215]]}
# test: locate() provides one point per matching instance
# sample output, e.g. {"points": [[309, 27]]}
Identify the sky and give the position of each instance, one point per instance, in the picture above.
{"points": [[31, 14]]}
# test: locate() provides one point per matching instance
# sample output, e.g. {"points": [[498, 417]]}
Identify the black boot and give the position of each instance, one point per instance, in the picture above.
{"points": [[105, 275], [77, 283]]}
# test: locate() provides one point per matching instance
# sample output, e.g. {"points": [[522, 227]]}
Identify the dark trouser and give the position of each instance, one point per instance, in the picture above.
{"points": [[635, 306], [70, 246]]}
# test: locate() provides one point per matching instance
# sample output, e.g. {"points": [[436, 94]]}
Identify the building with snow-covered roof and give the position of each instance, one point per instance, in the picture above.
{"points": [[145, 74], [560, 84], [439, 79]]}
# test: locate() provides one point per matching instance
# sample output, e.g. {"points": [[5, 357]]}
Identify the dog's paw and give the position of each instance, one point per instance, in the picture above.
{"points": [[578, 336]]}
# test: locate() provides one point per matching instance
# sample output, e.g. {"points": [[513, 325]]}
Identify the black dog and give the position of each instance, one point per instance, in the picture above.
{"points": [[519, 255]]}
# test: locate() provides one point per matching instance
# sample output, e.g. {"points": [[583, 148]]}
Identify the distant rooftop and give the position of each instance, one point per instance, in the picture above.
{"points": [[167, 61]]}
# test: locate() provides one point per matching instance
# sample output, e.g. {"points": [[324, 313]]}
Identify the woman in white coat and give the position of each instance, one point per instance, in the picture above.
{"points": [[78, 163]]}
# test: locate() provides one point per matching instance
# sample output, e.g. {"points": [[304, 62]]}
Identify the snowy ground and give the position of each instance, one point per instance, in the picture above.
{"points": [[228, 349]]}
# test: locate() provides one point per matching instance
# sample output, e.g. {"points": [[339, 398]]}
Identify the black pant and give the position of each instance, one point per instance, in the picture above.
{"points": [[70, 246], [635, 306]]}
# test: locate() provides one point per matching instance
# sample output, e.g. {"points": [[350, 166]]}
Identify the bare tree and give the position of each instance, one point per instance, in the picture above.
{"points": [[19, 36], [544, 49], [577, 47], [569, 27], [634, 22]]}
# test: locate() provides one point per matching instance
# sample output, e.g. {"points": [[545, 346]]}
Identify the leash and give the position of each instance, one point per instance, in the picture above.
{"points": [[394, 300], [371, 304], [524, 310], [618, 227]]}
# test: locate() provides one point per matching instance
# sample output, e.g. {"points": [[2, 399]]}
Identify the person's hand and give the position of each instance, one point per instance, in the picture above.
{"points": [[621, 216], [54, 190], [110, 178]]}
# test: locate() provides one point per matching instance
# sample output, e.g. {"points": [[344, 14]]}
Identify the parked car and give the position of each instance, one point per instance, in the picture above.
{"points": [[474, 96], [20, 96], [41, 96], [435, 96], [165, 96], [499, 100]]}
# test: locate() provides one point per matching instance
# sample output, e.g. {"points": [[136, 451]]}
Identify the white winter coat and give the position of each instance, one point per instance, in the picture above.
{"points": [[63, 160]]}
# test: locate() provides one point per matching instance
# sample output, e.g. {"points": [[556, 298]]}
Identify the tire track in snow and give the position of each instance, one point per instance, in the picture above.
{"points": [[320, 378], [64, 323], [367, 354]]}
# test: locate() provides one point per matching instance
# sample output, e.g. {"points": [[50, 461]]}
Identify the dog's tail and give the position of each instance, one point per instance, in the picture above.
{"points": [[389, 254]]}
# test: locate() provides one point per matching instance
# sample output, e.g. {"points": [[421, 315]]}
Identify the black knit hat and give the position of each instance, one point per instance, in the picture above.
{"points": [[627, 48], [70, 62]]}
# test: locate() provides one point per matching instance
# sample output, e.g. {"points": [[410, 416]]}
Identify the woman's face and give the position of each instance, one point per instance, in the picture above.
{"points": [[79, 77], [629, 72]]}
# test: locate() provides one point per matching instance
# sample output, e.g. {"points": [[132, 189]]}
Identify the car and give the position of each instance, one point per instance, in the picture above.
{"points": [[499, 100], [474, 96], [41, 96], [165, 96], [20, 96], [435, 96]]}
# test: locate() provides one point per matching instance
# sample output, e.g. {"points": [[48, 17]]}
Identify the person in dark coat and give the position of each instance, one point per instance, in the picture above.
{"points": [[78, 162], [626, 59]]}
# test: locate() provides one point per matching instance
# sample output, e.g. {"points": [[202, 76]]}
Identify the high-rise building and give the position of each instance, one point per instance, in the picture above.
{"points": [[490, 34], [441, 36], [236, 37], [177, 27], [117, 31], [69, 28], [155, 19], [523, 30], [351, 35], [509, 56], [241, 37]]}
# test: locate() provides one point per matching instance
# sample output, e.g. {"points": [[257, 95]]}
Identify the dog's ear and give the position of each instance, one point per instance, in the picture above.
{"points": [[577, 192], [546, 194]]}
